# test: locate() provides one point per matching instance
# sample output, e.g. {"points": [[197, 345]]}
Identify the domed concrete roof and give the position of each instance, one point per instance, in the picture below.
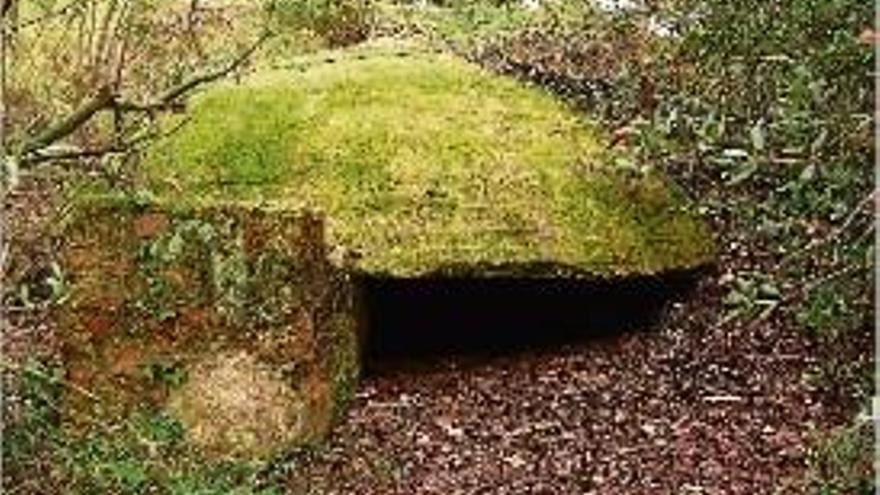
{"points": [[424, 164]]}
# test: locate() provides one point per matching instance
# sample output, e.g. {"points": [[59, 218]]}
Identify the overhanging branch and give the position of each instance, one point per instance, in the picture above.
{"points": [[105, 99], [176, 91], [61, 153], [101, 100]]}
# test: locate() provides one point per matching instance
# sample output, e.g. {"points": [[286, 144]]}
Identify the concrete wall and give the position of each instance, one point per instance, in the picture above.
{"points": [[229, 319]]}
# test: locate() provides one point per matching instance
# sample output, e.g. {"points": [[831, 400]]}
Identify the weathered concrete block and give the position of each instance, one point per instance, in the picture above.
{"points": [[230, 319]]}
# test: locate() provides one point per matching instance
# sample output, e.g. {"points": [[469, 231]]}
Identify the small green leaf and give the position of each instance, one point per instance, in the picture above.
{"points": [[769, 290], [743, 173], [735, 153], [759, 139], [808, 174], [819, 142]]}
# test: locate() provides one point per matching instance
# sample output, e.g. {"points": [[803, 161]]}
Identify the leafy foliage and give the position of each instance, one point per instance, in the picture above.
{"points": [[143, 454], [338, 22], [838, 463], [764, 109]]}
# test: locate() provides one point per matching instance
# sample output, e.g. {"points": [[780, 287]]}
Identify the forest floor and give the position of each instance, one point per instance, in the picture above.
{"points": [[685, 405], [693, 404]]}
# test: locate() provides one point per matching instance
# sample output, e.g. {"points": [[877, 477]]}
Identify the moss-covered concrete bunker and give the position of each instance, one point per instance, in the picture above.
{"points": [[424, 164], [235, 310]]}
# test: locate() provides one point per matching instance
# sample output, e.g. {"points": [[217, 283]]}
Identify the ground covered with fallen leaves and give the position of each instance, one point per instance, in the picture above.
{"points": [[686, 407], [688, 404]]}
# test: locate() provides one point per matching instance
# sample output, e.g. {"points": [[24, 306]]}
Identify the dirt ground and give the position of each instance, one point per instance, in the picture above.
{"points": [[683, 407]]}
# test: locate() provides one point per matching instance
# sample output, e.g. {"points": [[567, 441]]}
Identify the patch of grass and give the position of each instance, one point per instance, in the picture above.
{"points": [[840, 461], [144, 453], [422, 161], [470, 25]]}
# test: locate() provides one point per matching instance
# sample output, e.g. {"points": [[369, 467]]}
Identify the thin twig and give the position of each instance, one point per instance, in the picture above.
{"points": [[61, 153], [836, 234], [3, 75], [49, 15], [176, 91], [817, 282], [105, 99]]}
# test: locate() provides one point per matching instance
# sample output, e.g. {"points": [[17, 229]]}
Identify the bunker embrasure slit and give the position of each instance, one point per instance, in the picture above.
{"points": [[429, 317]]}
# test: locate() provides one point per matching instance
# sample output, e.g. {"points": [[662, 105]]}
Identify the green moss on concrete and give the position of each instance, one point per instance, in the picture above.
{"points": [[229, 318], [424, 163]]}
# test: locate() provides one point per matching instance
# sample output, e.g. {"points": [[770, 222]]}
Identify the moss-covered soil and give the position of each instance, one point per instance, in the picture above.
{"points": [[424, 163]]}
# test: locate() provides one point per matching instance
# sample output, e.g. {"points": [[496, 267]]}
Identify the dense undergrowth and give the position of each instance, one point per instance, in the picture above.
{"points": [[762, 110]]}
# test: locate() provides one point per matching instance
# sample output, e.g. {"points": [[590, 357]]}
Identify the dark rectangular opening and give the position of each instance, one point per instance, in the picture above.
{"points": [[430, 317]]}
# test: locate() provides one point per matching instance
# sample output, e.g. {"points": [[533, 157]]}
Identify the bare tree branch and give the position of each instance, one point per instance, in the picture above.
{"points": [[101, 100], [105, 99], [176, 91], [52, 153], [151, 107], [168, 100], [59, 153]]}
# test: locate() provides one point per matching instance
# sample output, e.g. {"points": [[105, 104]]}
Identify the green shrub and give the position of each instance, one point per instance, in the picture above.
{"points": [[788, 77], [840, 461], [338, 22]]}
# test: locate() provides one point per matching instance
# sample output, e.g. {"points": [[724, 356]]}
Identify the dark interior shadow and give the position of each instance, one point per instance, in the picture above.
{"points": [[428, 318]]}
